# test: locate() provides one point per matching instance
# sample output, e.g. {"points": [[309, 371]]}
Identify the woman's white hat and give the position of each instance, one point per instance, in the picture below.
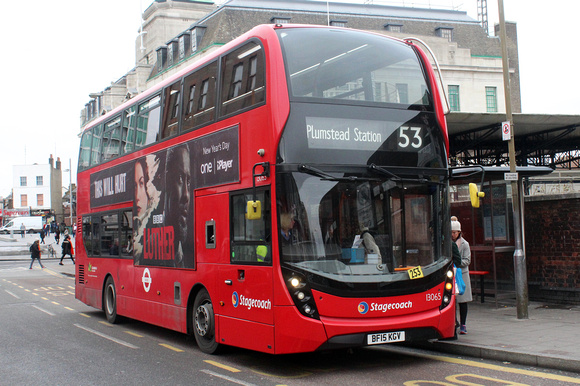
{"points": [[455, 226]]}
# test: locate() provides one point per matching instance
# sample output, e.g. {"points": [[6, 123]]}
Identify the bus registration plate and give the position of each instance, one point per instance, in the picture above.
{"points": [[386, 337]]}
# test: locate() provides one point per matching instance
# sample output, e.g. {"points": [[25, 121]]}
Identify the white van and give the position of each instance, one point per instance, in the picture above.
{"points": [[33, 224]]}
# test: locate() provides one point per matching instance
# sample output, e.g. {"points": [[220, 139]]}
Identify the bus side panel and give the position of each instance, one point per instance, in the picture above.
{"points": [[155, 301], [296, 333], [91, 275], [246, 334], [163, 315]]}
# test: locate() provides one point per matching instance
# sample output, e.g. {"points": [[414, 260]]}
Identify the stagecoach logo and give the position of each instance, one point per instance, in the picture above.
{"points": [[363, 307], [146, 280], [249, 303], [235, 299]]}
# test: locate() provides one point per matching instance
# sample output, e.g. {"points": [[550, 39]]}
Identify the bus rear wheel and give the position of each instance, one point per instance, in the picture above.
{"points": [[110, 301], [204, 323]]}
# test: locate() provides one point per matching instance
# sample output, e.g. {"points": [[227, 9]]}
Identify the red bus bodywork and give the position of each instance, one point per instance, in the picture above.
{"points": [[252, 304]]}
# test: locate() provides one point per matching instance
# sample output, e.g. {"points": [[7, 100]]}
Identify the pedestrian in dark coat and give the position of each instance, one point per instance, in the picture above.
{"points": [[67, 249], [35, 253], [57, 235]]}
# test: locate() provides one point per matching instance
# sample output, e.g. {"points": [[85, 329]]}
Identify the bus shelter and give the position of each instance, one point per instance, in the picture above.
{"points": [[489, 229]]}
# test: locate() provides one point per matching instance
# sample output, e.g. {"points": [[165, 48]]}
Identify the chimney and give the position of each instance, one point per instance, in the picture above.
{"points": [[51, 161], [58, 163]]}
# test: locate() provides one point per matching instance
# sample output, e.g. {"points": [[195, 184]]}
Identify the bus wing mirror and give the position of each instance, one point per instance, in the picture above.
{"points": [[475, 195], [254, 210], [254, 207]]}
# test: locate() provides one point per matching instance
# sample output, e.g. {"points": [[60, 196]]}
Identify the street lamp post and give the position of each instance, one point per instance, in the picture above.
{"points": [[70, 193], [520, 275], [69, 170]]}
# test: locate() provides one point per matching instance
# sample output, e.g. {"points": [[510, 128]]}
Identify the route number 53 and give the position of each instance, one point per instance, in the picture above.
{"points": [[410, 136]]}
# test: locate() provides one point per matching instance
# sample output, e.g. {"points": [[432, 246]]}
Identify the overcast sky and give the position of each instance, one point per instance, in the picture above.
{"points": [[56, 53]]}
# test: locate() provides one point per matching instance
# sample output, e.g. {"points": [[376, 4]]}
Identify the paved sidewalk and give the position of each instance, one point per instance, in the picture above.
{"points": [[17, 247], [549, 338]]}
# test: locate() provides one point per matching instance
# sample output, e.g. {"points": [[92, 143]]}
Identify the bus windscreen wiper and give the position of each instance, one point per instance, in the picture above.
{"points": [[325, 176], [394, 177]]}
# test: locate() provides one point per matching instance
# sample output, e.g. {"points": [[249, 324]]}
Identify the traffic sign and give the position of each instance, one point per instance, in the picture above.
{"points": [[506, 131]]}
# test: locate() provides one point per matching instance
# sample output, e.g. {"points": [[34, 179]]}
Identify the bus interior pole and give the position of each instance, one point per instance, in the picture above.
{"points": [[521, 281]]}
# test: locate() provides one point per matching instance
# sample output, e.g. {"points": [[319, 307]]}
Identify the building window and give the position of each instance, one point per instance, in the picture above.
{"points": [[39, 181], [445, 32], [280, 20], [170, 54], [181, 47], [23, 200], [22, 181], [491, 99], [40, 199], [196, 36], [194, 40], [454, 98], [338, 23], [402, 92], [394, 27]]}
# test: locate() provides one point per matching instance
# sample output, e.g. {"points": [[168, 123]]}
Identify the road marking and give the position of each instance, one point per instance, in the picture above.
{"points": [[231, 379], [85, 315], [109, 325], [487, 366], [134, 334], [472, 377], [222, 366], [43, 310], [171, 347], [68, 308], [13, 294], [112, 339], [55, 303]]}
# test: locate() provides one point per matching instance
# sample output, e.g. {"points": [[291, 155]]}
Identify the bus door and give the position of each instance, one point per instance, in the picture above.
{"points": [[245, 284]]}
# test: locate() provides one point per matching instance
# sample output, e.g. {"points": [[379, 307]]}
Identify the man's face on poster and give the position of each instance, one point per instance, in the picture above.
{"points": [[178, 188]]}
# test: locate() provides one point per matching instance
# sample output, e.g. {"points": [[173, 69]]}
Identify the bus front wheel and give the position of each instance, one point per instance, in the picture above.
{"points": [[110, 301], [204, 323]]}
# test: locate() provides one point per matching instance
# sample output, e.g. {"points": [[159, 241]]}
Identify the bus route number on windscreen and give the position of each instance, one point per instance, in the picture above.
{"points": [[415, 273]]}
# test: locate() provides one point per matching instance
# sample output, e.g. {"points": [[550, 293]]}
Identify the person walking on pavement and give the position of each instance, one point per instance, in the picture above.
{"points": [[465, 253], [22, 230], [57, 235], [35, 253], [42, 236], [67, 249]]}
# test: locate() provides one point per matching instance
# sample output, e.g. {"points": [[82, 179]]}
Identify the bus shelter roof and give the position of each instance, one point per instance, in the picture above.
{"points": [[540, 139]]}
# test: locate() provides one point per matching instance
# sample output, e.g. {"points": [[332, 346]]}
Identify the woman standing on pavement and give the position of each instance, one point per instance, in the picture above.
{"points": [[465, 253], [35, 253]]}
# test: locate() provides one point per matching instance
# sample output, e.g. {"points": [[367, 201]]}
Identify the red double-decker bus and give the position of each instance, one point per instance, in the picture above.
{"points": [[287, 193]]}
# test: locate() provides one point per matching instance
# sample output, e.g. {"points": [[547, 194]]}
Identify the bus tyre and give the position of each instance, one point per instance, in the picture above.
{"points": [[110, 301], [204, 323]]}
